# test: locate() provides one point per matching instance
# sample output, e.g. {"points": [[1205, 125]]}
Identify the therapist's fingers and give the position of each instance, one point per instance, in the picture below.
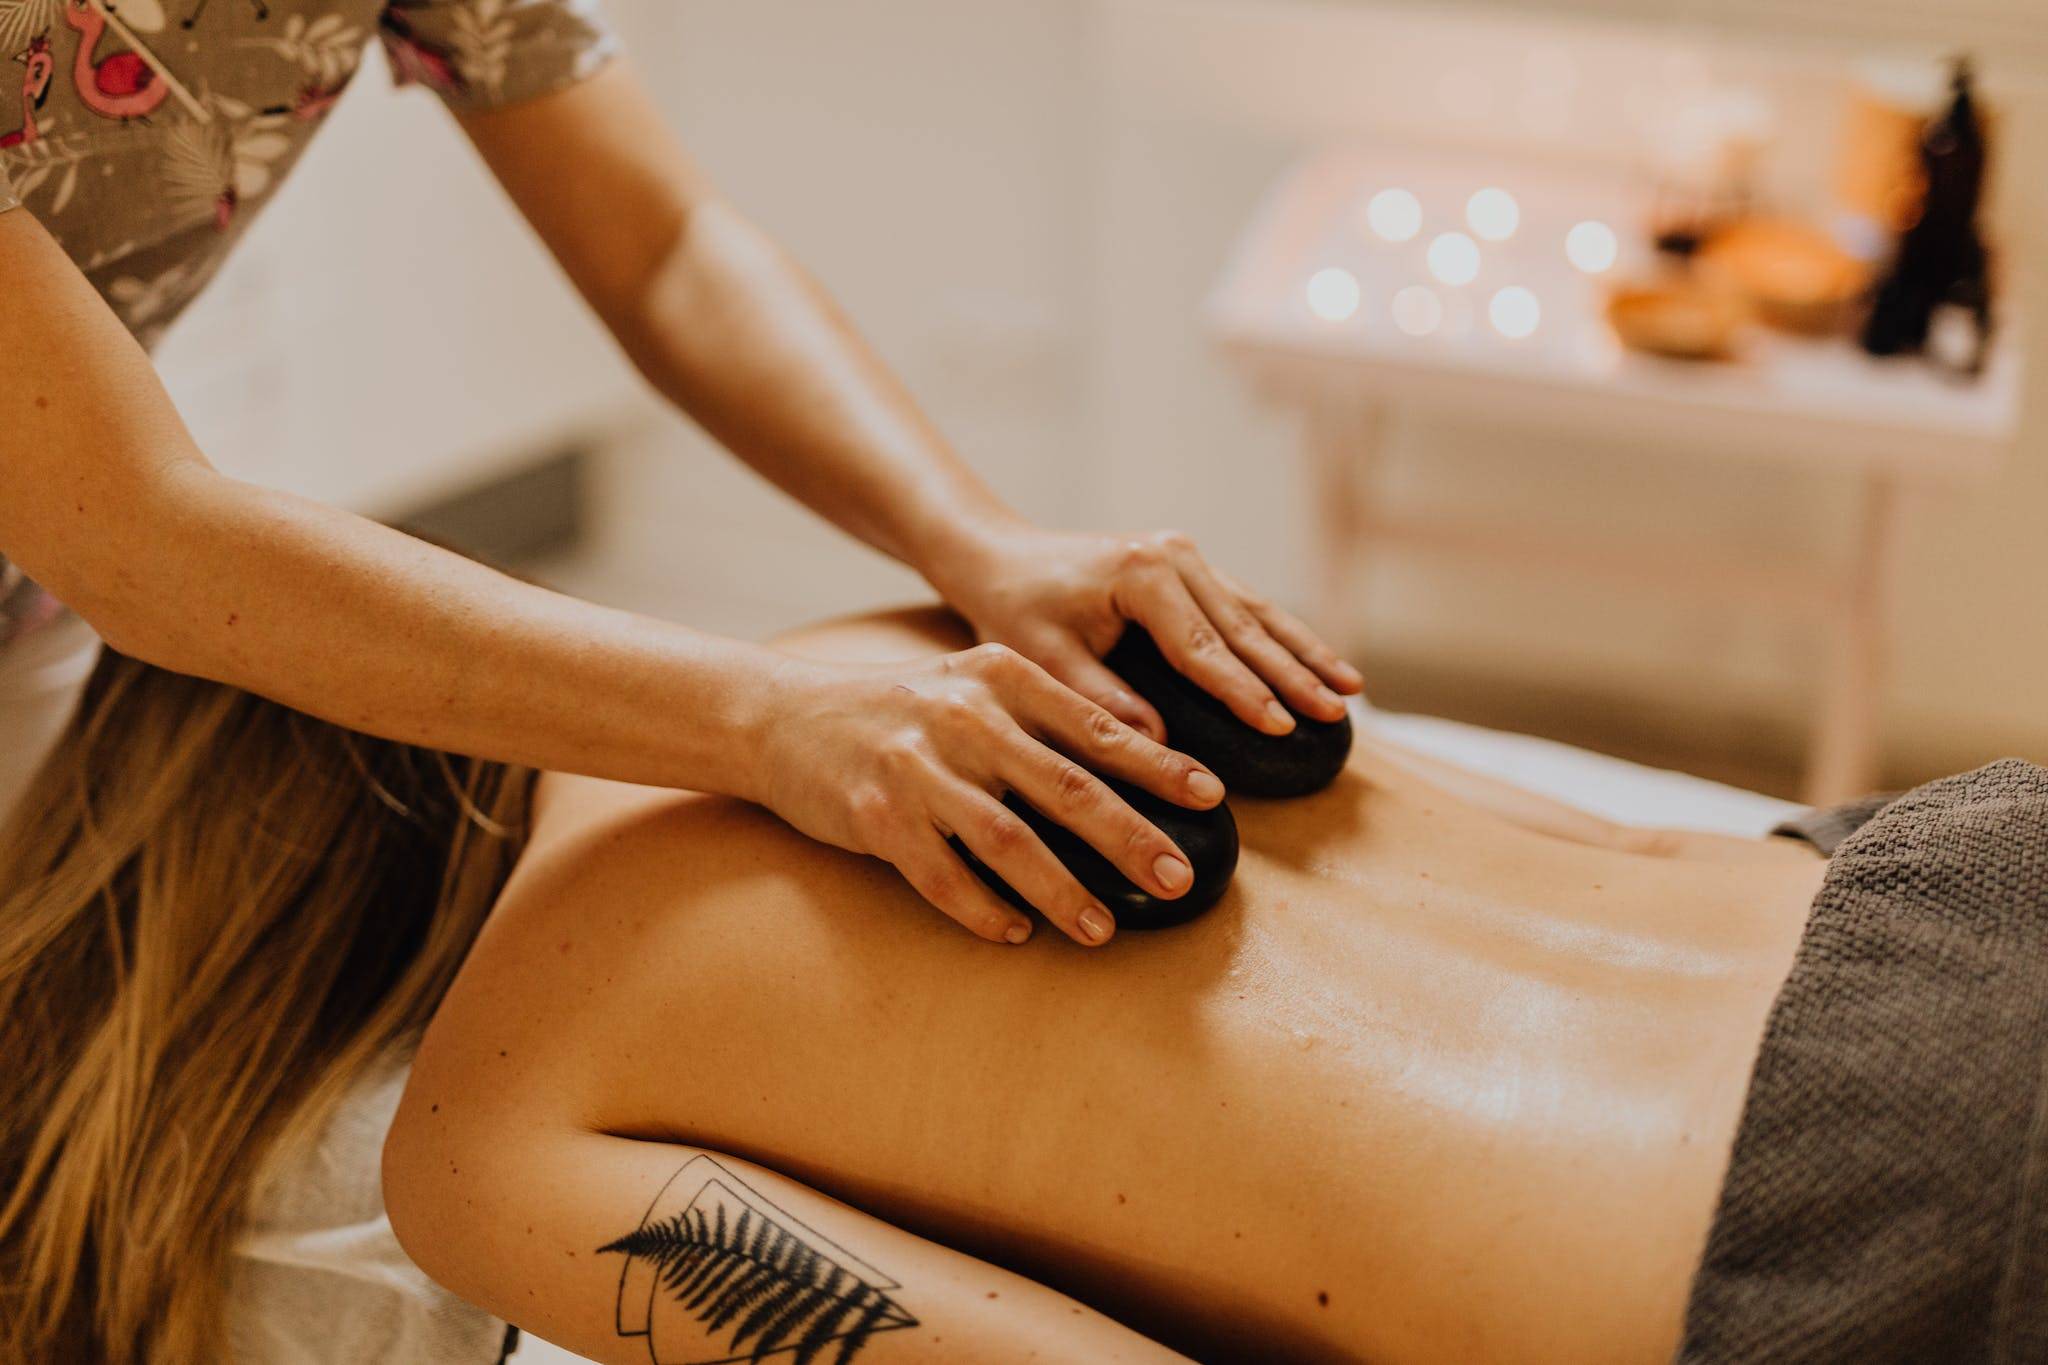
{"points": [[935, 872], [1292, 631], [1074, 798], [1012, 849], [1160, 601], [1092, 679], [1247, 635], [1057, 715]]}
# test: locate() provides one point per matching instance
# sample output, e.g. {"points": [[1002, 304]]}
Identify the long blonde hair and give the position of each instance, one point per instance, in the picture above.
{"points": [[214, 913]]}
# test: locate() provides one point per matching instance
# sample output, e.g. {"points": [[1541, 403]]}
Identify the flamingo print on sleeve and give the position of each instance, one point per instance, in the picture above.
{"points": [[122, 85], [128, 126], [147, 146], [35, 88]]}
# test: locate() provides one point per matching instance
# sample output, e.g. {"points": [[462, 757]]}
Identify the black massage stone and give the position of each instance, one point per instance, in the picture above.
{"points": [[1207, 837], [1249, 762]]}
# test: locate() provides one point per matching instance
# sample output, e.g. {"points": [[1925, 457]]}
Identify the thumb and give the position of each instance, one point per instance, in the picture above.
{"points": [[1089, 676]]}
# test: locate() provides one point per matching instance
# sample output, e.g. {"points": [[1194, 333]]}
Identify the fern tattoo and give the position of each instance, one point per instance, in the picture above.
{"points": [[716, 1273]]}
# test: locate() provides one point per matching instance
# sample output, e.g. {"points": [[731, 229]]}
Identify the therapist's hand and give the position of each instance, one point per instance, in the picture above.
{"points": [[890, 759], [1061, 599]]}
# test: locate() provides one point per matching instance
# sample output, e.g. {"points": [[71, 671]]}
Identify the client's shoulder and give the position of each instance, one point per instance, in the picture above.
{"points": [[636, 918], [597, 843]]}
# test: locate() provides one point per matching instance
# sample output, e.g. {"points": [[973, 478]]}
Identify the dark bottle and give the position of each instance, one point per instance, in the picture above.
{"points": [[1942, 261]]}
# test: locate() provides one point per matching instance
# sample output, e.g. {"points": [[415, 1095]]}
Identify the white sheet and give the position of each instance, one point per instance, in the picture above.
{"points": [[1609, 787]]}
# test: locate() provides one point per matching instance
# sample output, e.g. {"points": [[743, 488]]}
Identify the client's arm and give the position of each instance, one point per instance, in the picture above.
{"points": [[628, 1251]]}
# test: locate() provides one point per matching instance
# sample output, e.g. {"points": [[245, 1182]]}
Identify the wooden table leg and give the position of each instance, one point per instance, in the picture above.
{"points": [[1842, 761], [1342, 442]]}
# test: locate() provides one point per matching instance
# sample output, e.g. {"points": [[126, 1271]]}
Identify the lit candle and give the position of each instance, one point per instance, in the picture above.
{"points": [[1454, 258], [1493, 214], [1333, 294], [1591, 246], [1417, 310], [1395, 215], [1515, 312]]}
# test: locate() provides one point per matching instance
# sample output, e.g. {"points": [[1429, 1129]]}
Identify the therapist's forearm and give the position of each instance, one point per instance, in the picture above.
{"points": [[354, 622], [738, 336], [736, 333], [726, 325], [107, 501]]}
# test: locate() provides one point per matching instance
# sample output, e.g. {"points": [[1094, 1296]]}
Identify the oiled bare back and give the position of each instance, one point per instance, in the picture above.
{"points": [[1424, 1086]]}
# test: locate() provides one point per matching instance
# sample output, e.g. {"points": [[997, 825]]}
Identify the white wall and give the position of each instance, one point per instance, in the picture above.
{"points": [[389, 329], [1023, 202], [919, 156]]}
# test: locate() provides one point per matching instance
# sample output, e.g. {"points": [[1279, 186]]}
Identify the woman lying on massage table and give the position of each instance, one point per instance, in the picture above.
{"points": [[1450, 1074]]}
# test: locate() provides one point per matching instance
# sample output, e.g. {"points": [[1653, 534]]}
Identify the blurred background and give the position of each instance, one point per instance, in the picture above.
{"points": [[1140, 260]]}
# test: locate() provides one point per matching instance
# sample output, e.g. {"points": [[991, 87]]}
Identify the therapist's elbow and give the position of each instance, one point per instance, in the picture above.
{"points": [[121, 577], [131, 622], [135, 622], [113, 595]]}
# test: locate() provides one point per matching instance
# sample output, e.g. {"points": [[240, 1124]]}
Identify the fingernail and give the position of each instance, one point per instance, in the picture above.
{"points": [[1350, 676], [1332, 703], [1173, 874], [1017, 932], [1205, 788], [1095, 924], [1277, 716]]}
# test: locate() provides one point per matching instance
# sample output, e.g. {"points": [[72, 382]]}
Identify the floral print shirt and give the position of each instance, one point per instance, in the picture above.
{"points": [[146, 135]]}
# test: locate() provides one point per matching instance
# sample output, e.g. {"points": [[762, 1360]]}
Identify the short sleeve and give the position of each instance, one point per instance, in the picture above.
{"points": [[484, 54]]}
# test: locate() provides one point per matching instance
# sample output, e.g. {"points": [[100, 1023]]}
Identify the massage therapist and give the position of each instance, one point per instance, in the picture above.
{"points": [[148, 135]]}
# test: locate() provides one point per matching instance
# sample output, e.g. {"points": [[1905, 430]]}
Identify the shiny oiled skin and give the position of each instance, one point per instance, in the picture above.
{"points": [[1425, 1086]]}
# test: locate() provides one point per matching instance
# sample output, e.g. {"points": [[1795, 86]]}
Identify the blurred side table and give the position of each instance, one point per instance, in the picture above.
{"points": [[1342, 305]]}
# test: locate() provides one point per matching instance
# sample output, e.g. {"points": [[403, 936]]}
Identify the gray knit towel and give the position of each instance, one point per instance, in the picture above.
{"points": [[1888, 1196]]}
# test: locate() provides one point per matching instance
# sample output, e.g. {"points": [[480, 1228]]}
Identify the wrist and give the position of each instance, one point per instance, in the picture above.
{"points": [[763, 693], [966, 553]]}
